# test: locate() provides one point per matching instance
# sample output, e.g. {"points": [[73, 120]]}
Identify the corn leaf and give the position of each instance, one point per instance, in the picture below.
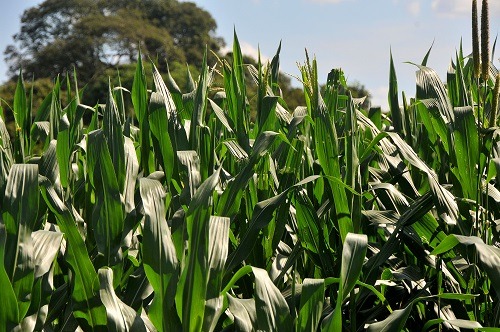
{"points": [[311, 305], [107, 215], [63, 150], [120, 316], [244, 312], [159, 129], [261, 217], [326, 135], [84, 280], [353, 256], [46, 246], [140, 102], [466, 145], [272, 310], [488, 256], [229, 203], [194, 279], [430, 86], [160, 261], [9, 310], [234, 84], [20, 212], [112, 127], [397, 115], [310, 230], [395, 322], [221, 115], [218, 241]]}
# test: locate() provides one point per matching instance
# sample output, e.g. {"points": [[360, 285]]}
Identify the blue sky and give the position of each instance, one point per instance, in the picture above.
{"points": [[355, 35]]}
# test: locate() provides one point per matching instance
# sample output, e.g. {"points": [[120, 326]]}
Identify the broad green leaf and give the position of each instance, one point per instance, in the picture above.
{"points": [[273, 313], [191, 161], [140, 102], [221, 115], [202, 197], [9, 310], [395, 322], [194, 279], [49, 166], [55, 110], [132, 171], [112, 128], [466, 145], [311, 305], [426, 57], [19, 215], [162, 89], [235, 149], [262, 215], [460, 323], [42, 112], [107, 214], [22, 114], [229, 203], [6, 156], [236, 99], [139, 91], [456, 296], [353, 256], [434, 123], [174, 106], [268, 119], [310, 231], [160, 261], [120, 316], [159, 129], [86, 304], [457, 89], [445, 201], [46, 245], [447, 244], [244, 312], [326, 135], [218, 242], [368, 149], [142, 289], [200, 105], [488, 256], [430, 86], [417, 210], [63, 150], [397, 115], [131, 175], [40, 130], [353, 175]]}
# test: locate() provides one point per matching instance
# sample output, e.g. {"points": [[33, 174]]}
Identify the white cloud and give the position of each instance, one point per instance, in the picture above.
{"points": [[461, 8], [414, 8], [452, 8]]}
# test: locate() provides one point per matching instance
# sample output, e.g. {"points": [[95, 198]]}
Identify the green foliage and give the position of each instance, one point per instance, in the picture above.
{"points": [[212, 205], [58, 35]]}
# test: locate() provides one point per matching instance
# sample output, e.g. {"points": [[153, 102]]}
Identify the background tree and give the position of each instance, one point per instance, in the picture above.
{"points": [[92, 35], [101, 38]]}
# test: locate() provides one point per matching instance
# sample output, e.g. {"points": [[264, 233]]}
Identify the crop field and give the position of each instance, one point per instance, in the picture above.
{"points": [[219, 208]]}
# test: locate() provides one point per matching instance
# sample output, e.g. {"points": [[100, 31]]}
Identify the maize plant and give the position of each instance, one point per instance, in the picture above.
{"points": [[217, 209]]}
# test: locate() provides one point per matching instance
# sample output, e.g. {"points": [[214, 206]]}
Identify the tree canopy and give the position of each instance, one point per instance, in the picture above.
{"points": [[99, 37], [92, 35]]}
